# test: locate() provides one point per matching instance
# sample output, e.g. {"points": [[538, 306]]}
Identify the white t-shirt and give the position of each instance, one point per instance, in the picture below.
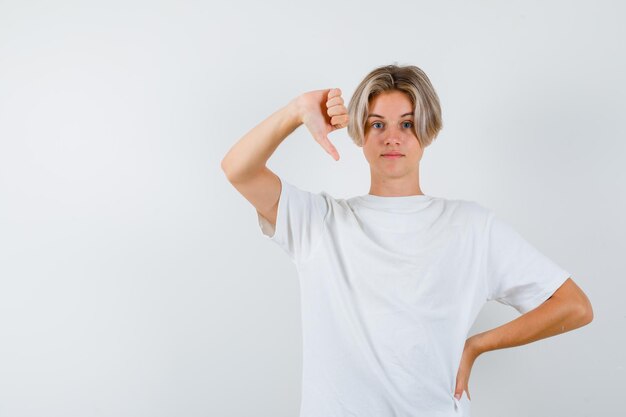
{"points": [[390, 287]]}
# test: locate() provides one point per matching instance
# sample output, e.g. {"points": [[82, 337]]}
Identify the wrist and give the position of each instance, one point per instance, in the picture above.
{"points": [[475, 344], [294, 109]]}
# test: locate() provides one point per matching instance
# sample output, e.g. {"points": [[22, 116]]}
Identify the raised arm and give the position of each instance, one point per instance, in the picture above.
{"points": [[322, 111]]}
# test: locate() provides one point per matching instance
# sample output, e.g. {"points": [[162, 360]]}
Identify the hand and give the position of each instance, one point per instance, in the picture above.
{"points": [[470, 353], [323, 111]]}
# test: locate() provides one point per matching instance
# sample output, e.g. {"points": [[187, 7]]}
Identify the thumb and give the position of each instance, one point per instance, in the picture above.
{"points": [[458, 390], [317, 126], [321, 136], [328, 146], [458, 393]]}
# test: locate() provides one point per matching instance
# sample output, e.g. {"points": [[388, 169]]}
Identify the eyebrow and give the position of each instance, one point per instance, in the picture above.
{"points": [[378, 115]]}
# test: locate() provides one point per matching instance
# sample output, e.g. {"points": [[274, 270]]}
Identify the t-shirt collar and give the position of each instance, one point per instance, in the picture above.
{"points": [[406, 201]]}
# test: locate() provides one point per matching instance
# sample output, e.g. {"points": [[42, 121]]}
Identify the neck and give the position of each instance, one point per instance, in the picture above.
{"points": [[395, 187]]}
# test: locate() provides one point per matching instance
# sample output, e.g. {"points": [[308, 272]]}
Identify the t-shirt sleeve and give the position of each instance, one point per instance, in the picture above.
{"points": [[299, 221], [517, 273]]}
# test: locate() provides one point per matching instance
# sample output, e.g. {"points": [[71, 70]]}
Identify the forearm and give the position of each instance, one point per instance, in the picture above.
{"points": [[553, 317], [251, 152]]}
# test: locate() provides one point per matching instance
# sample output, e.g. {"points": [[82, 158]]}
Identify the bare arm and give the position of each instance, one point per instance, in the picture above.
{"points": [[567, 309], [322, 111], [250, 154]]}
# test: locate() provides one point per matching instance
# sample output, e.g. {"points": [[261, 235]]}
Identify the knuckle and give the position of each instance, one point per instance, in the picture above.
{"points": [[334, 101]]}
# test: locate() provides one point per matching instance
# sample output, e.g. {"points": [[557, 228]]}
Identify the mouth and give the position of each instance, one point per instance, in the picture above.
{"points": [[392, 155]]}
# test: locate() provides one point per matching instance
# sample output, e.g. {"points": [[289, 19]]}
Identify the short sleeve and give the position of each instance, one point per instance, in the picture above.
{"points": [[299, 221], [517, 273]]}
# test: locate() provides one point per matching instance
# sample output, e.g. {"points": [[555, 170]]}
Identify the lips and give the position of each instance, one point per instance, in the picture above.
{"points": [[392, 154]]}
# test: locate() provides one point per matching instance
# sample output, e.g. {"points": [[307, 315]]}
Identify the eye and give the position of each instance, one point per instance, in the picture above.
{"points": [[405, 122], [376, 123]]}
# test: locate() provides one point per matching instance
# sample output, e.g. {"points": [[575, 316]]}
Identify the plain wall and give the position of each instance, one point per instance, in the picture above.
{"points": [[135, 280]]}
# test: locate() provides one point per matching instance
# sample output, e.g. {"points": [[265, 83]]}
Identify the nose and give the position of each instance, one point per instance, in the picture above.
{"points": [[393, 135], [392, 140]]}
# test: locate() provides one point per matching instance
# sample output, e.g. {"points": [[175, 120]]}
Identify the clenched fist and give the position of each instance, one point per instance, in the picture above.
{"points": [[323, 111]]}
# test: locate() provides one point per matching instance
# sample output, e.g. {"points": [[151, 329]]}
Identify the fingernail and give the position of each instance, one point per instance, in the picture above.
{"points": [[457, 396]]}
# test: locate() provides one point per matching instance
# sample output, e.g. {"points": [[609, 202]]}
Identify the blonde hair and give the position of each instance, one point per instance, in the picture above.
{"points": [[414, 83]]}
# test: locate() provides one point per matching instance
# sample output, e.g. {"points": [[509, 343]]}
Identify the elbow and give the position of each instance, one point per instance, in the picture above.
{"points": [[235, 171], [585, 312], [587, 309], [224, 167], [227, 169], [588, 314], [225, 162], [574, 305]]}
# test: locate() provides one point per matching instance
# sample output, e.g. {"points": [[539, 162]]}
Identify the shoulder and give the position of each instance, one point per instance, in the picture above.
{"points": [[464, 205], [475, 208], [467, 211]]}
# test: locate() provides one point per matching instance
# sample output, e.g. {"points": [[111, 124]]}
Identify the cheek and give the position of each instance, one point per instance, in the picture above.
{"points": [[369, 152]]}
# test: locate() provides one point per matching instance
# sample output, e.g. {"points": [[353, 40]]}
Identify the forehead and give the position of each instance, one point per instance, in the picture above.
{"points": [[391, 101]]}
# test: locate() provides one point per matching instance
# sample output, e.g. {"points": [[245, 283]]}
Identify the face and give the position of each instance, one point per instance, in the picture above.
{"points": [[390, 129]]}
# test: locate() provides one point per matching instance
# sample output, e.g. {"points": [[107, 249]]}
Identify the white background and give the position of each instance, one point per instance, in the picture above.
{"points": [[135, 280]]}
